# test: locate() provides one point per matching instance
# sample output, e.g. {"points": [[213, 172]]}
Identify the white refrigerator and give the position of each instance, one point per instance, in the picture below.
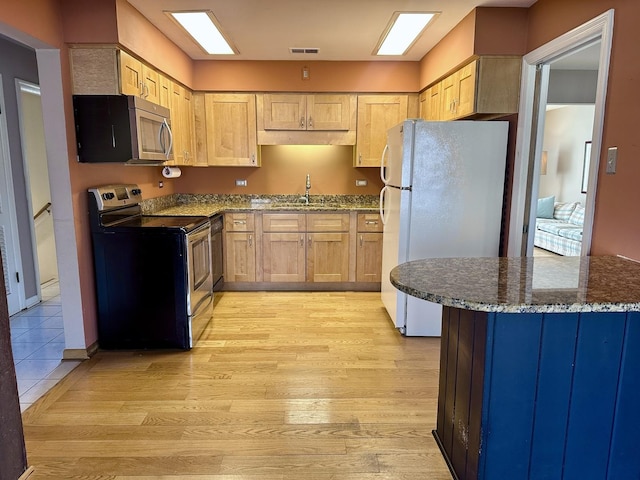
{"points": [[442, 197]]}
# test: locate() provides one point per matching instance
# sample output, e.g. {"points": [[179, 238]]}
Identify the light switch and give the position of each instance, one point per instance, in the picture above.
{"points": [[241, 183], [361, 183], [612, 159]]}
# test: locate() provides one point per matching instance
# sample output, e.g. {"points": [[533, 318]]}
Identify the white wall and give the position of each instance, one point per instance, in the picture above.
{"points": [[566, 130]]}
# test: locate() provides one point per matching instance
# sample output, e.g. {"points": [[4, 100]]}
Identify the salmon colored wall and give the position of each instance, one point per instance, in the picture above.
{"points": [[89, 22], [484, 31], [284, 169], [229, 75], [38, 18], [141, 37], [450, 52], [500, 31], [617, 218]]}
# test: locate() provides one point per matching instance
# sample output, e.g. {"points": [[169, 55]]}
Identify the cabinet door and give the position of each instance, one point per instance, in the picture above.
{"points": [[285, 112], [466, 81], [283, 257], [328, 112], [328, 257], [164, 98], [177, 120], [376, 115], [231, 129], [369, 257], [369, 222], [328, 222], [433, 102], [187, 131], [130, 75], [283, 222], [240, 256], [448, 97], [150, 84]]}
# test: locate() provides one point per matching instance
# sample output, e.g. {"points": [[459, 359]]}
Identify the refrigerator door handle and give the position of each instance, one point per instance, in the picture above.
{"points": [[382, 215], [383, 165]]}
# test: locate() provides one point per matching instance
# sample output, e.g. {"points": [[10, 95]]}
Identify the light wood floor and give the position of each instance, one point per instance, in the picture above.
{"points": [[283, 386]]}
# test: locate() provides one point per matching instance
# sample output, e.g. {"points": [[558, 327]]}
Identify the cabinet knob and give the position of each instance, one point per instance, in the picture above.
{"points": [[301, 123], [302, 240], [360, 159], [250, 240], [310, 123], [361, 240]]}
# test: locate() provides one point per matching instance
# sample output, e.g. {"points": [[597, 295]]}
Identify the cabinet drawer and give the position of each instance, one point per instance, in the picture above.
{"points": [[327, 222], [283, 222], [239, 222], [369, 222]]}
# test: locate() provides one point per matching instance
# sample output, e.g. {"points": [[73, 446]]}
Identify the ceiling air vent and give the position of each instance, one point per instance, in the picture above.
{"points": [[303, 50]]}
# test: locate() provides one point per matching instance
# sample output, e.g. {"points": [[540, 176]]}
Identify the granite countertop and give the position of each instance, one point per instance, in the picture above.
{"points": [[211, 204], [521, 285]]}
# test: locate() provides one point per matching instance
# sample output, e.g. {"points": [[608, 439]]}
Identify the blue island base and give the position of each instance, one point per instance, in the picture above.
{"points": [[540, 395]]}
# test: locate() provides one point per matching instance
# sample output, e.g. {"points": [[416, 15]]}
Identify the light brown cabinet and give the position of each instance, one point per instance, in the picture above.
{"points": [[486, 87], [328, 247], [311, 247], [369, 248], [430, 103], [376, 115], [182, 123], [225, 129], [306, 119], [306, 112], [136, 78], [284, 247], [240, 247]]}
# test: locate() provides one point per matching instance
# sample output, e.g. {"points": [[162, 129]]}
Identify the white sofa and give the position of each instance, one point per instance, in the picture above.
{"points": [[560, 232]]}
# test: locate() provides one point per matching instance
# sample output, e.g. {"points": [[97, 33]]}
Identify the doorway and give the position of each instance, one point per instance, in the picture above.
{"points": [[593, 37], [37, 179]]}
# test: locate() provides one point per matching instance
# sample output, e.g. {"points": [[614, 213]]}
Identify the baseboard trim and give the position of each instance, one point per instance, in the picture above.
{"points": [[27, 473], [80, 353]]}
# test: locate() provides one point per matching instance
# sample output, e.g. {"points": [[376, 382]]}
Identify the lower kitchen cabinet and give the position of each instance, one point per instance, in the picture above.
{"points": [[291, 250], [369, 257], [240, 253], [240, 247], [369, 248], [328, 257], [283, 257]]}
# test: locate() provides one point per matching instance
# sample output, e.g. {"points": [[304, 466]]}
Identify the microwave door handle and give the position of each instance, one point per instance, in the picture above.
{"points": [[165, 125]]}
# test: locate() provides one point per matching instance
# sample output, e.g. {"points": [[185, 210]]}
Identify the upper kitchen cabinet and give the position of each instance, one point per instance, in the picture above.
{"points": [[182, 123], [136, 78], [225, 127], [430, 103], [306, 119], [376, 115], [486, 87]]}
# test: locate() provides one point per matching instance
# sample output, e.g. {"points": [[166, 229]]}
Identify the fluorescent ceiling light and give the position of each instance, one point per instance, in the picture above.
{"points": [[203, 28], [404, 31]]}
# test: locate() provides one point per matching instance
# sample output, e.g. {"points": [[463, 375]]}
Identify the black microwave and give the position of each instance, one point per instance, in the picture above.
{"points": [[122, 129]]}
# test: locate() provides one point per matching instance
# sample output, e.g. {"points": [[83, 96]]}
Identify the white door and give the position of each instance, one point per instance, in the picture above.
{"points": [[9, 244]]}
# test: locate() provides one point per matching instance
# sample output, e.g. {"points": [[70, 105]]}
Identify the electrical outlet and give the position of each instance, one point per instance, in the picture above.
{"points": [[361, 183], [241, 183], [612, 160]]}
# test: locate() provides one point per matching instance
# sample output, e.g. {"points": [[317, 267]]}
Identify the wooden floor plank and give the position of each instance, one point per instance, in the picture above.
{"points": [[283, 386]]}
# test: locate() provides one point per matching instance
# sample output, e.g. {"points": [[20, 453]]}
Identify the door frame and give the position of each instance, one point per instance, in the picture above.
{"points": [[13, 253], [530, 135]]}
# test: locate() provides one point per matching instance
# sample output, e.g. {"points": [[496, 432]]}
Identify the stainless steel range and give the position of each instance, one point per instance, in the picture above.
{"points": [[153, 273]]}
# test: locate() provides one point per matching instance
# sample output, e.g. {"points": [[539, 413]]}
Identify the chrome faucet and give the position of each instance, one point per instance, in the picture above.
{"points": [[307, 188]]}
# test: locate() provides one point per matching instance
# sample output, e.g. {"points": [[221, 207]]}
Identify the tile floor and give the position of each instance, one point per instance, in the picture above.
{"points": [[37, 340]]}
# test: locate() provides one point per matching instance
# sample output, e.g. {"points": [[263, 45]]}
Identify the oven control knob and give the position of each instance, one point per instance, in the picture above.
{"points": [[136, 191], [108, 195]]}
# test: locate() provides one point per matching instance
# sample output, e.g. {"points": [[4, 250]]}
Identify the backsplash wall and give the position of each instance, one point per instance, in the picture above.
{"points": [[283, 171]]}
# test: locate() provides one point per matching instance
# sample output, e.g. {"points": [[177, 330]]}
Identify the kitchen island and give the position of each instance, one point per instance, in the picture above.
{"points": [[539, 364]]}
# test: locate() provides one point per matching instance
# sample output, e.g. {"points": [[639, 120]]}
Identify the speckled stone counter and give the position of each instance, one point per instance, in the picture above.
{"points": [[539, 364], [516, 285], [211, 204]]}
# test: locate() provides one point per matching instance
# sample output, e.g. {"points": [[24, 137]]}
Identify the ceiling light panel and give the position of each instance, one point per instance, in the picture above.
{"points": [[203, 27], [402, 32]]}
